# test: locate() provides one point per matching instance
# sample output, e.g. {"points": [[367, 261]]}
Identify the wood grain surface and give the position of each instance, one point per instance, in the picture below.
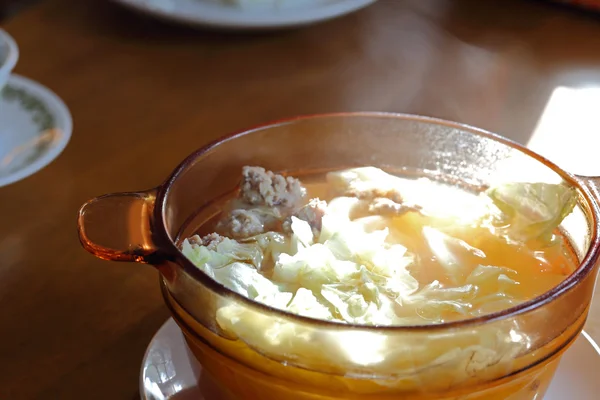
{"points": [[144, 94]]}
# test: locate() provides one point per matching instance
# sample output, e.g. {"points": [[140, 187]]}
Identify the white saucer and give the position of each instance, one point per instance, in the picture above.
{"points": [[217, 13], [35, 127], [169, 372]]}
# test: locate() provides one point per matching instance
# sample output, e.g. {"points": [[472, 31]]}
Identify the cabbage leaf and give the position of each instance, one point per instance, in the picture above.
{"points": [[533, 210]]}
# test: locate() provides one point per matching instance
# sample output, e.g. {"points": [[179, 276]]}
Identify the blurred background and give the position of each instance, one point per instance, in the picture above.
{"points": [[149, 81]]}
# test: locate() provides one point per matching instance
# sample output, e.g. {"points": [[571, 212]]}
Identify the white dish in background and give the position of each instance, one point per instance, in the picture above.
{"points": [[218, 13], [35, 127], [170, 373], [9, 55]]}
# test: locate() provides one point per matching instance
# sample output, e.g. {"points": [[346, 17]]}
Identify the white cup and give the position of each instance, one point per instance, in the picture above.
{"points": [[9, 54]]}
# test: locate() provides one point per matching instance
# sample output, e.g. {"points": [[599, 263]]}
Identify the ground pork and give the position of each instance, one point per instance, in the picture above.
{"points": [[374, 194], [312, 213], [386, 207], [242, 223], [211, 240], [262, 187]]}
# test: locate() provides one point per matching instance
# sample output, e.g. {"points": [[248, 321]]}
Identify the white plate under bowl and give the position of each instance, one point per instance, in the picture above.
{"points": [[217, 13], [170, 373], [35, 127]]}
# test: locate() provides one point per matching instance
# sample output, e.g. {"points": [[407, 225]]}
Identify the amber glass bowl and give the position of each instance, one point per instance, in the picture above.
{"points": [[510, 354]]}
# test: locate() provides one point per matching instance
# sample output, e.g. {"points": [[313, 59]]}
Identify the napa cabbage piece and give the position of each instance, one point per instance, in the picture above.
{"points": [[305, 303], [533, 210], [363, 180], [233, 265], [453, 254], [360, 303], [312, 267], [433, 301], [348, 273], [486, 286], [223, 253], [355, 273], [375, 191], [236, 266]]}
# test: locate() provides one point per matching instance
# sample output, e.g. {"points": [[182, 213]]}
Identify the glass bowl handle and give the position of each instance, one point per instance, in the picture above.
{"points": [[118, 227]]}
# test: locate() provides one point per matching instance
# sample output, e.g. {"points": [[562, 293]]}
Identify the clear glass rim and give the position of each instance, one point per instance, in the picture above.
{"points": [[170, 250]]}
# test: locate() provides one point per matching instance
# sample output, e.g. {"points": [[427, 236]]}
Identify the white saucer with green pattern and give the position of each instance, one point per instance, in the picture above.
{"points": [[35, 127]]}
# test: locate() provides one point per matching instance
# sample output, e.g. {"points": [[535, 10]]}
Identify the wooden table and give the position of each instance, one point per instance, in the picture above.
{"points": [[143, 95]]}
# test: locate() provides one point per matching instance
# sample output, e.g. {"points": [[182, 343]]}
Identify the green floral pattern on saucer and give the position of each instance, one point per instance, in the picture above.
{"points": [[40, 114], [35, 128]]}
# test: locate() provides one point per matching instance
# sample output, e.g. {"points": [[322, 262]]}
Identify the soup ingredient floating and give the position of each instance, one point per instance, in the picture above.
{"points": [[377, 249]]}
